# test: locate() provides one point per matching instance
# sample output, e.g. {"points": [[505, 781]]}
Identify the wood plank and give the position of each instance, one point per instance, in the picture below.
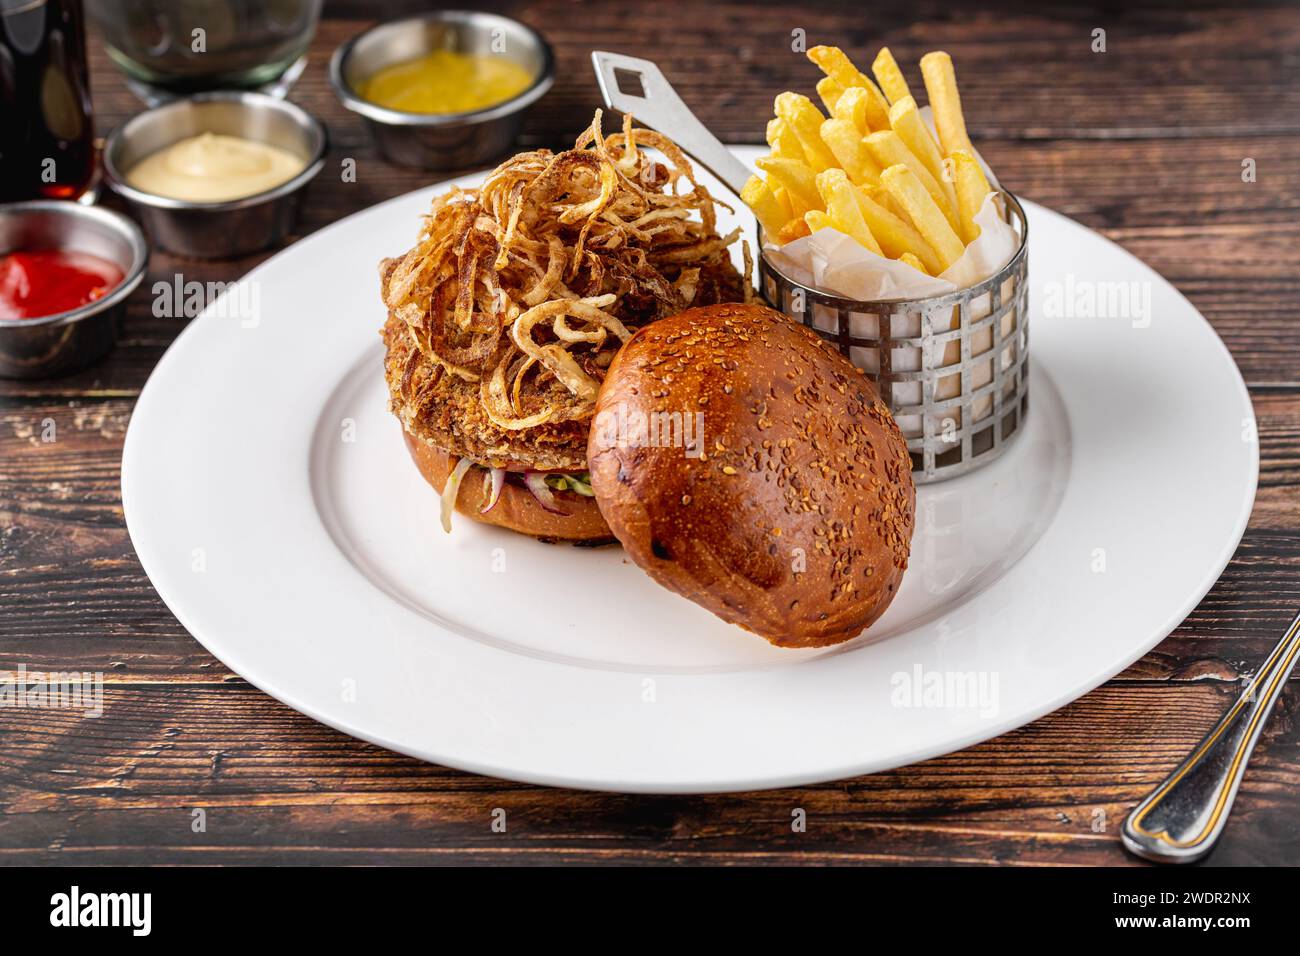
{"points": [[278, 787], [1172, 183]]}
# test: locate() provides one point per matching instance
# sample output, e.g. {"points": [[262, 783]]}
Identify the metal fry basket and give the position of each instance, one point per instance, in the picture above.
{"points": [[953, 368]]}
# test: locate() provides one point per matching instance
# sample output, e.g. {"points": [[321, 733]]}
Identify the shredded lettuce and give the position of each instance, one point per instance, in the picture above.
{"points": [[579, 484]]}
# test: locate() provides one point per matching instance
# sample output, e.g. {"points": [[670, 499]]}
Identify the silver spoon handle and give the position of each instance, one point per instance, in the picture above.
{"points": [[1181, 819], [658, 106]]}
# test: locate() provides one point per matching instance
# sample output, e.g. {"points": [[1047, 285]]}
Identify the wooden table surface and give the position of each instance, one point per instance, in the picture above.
{"points": [[1143, 142]]}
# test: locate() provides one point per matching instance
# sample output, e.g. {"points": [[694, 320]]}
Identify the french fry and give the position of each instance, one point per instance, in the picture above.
{"points": [[805, 120], [852, 106], [886, 200], [815, 219], [905, 120], [888, 149], [889, 76], [911, 129], [941, 87], [894, 233], [830, 92], [844, 141], [877, 107], [758, 196], [797, 178], [842, 206], [972, 186], [902, 183], [835, 63], [914, 262], [797, 206], [794, 229], [783, 200], [784, 143]]}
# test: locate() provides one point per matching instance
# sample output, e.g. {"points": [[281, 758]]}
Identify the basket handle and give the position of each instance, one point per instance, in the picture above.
{"points": [[658, 106]]}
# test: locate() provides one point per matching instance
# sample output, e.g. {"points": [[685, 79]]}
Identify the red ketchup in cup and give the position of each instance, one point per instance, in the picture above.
{"points": [[38, 282]]}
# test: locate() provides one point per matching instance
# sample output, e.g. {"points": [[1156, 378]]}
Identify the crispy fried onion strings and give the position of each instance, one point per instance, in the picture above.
{"points": [[529, 284]]}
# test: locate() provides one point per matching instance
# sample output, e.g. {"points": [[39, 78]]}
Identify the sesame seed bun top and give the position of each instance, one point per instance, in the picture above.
{"points": [[748, 466]]}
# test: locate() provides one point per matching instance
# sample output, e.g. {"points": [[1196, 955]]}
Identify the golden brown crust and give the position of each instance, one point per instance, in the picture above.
{"points": [[516, 509], [795, 519]]}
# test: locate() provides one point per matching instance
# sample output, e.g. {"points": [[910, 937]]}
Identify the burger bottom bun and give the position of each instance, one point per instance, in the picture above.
{"points": [[516, 509]]}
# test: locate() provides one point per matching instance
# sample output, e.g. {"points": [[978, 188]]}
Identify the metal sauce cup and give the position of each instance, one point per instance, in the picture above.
{"points": [[234, 227], [442, 140], [53, 344]]}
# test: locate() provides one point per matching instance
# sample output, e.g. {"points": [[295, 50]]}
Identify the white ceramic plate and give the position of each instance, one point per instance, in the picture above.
{"points": [[272, 503]]}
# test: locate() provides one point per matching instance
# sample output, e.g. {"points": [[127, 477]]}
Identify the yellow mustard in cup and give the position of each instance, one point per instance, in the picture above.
{"points": [[445, 81]]}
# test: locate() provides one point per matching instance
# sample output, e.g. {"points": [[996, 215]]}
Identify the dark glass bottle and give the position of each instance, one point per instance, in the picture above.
{"points": [[47, 137]]}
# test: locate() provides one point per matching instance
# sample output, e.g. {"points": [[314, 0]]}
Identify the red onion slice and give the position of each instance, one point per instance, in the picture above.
{"points": [[536, 483], [498, 478]]}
